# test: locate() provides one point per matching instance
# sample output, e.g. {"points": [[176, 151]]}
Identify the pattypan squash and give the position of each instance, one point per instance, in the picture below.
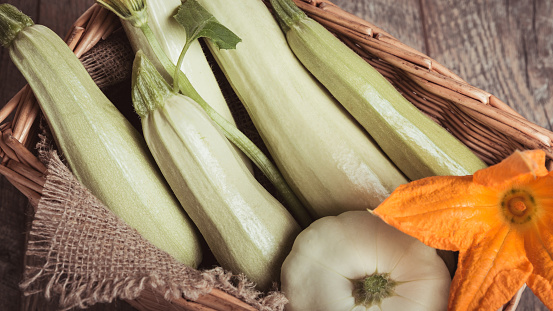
{"points": [[355, 261]]}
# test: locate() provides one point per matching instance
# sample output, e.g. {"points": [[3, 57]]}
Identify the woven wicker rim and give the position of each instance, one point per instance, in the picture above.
{"points": [[480, 120]]}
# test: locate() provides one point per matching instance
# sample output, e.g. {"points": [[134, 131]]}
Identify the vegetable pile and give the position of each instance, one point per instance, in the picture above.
{"points": [[343, 140]]}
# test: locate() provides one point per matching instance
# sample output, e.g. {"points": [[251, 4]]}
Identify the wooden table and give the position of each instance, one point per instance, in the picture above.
{"points": [[503, 47]]}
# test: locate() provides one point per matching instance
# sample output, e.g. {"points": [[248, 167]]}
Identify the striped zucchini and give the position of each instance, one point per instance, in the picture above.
{"points": [[415, 143], [247, 229], [101, 147], [324, 155]]}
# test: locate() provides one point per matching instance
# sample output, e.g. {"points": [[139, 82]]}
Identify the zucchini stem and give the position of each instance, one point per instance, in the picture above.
{"points": [[288, 13], [176, 74], [12, 21]]}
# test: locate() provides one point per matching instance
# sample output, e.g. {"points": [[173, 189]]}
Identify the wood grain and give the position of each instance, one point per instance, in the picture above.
{"points": [[503, 47], [12, 238], [392, 16]]}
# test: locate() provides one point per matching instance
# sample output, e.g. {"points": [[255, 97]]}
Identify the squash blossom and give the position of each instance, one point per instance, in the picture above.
{"points": [[500, 220]]}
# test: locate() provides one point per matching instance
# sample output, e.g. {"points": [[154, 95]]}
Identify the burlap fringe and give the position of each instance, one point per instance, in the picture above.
{"points": [[84, 254]]}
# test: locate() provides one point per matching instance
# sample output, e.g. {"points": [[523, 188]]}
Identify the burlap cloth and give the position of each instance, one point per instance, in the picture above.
{"points": [[82, 254]]}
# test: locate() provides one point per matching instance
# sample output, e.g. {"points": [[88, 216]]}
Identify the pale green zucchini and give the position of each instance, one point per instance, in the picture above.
{"points": [[247, 229], [101, 147], [323, 154], [415, 143], [172, 37]]}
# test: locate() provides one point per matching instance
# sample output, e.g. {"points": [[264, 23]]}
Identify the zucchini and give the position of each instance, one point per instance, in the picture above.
{"points": [[172, 37], [101, 147], [327, 159], [415, 143], [246, 228]]}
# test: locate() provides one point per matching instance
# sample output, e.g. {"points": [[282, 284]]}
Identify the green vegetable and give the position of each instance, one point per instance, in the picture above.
{"points": [[415, 143], [324, 155], [136, 14], [172, 37], [247, 229], [101, 147], [355, 261]]}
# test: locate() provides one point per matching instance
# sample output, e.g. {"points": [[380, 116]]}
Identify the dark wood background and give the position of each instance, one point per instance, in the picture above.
{"points": [[503, 47]]}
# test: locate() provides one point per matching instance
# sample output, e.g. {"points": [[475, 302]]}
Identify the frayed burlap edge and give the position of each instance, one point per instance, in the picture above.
{"points": [[64, 244]]}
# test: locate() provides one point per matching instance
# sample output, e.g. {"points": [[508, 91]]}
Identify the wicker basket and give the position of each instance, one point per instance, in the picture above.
{"points": [[484, 123]]}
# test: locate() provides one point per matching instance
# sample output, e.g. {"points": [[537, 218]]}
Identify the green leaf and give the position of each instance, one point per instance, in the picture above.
{"points": [[198, 23]]}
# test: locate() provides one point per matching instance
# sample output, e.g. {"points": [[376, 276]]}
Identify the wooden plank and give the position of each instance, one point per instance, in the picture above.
{"points": [[529, 302], [503, 47], [401, 18], [12, 238], [59, 15]]}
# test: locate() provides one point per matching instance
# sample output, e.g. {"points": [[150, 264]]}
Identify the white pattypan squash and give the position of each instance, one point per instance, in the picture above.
{"points": [[357, 262]]}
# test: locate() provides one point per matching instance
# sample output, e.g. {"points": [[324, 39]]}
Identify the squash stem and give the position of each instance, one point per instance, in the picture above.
{"points": [[133, 11], [12, 21], [287, 12], [176, 74], [232, 133], [149, 89], [372, 289]]}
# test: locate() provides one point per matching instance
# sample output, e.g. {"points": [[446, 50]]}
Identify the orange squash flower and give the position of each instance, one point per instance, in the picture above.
{"points": [[500, 220]]}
